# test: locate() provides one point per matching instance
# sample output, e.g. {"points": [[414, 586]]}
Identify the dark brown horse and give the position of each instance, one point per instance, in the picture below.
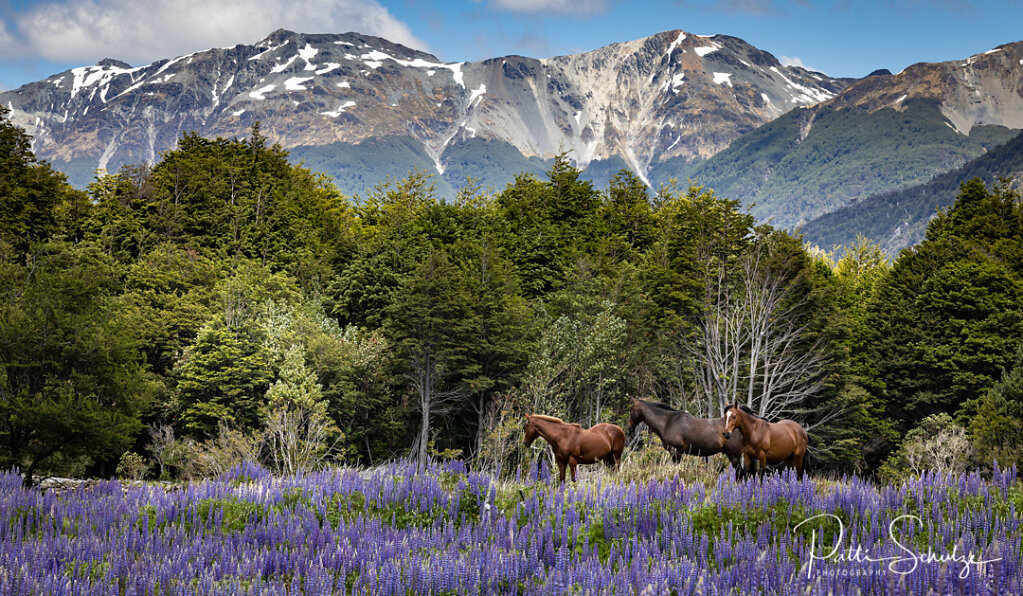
{"points": [[574, 445], [766, 442], [682, 433]]}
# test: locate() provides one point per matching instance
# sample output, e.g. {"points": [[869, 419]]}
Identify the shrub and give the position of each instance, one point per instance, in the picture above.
{"points": [[132, 466]]}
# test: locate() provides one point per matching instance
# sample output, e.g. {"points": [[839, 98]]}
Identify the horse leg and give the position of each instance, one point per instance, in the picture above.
{"points": [[745, 465], [796, 461], [572, 463], [737, 466], [612, 460], [561, 471], [763, 464]]}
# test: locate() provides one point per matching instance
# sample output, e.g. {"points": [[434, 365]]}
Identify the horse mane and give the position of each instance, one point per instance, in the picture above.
{"points": [[749, 411], [661, 405], [554, 419]]}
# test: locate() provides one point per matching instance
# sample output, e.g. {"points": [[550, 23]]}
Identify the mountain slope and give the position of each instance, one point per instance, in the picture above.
{"points": [[882, 133], [671, 95], [899, 219]]}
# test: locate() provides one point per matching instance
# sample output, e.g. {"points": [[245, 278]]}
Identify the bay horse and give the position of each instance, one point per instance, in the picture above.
{"points": [[682, 433], [766, 442], [573, 445]]}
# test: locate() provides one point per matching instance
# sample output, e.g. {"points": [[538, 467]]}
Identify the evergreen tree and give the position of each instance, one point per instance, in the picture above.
{"points": [[946, 321], [222, 378], [996, 420], [71, 381], [34, 198], [430, 328]]}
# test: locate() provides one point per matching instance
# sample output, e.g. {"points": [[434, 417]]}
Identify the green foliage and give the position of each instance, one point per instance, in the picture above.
{"points": [[814, 160], [32, 195], [899, 219], [244, 199], [71, 380], [548, 224], [996, 420], [221, 378], [946, 322], [429, 326], [174, 293]]}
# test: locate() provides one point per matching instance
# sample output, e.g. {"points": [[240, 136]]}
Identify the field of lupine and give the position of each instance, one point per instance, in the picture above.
{"points": [[396, 530]]}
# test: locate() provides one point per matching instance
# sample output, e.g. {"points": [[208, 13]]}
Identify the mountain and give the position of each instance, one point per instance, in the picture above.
{"points": [[362, 108], [882, 133], [899, 219]]}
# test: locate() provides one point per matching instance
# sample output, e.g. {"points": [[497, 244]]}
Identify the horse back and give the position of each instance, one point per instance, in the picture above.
{"points": [[614, 434], [794, 437]]}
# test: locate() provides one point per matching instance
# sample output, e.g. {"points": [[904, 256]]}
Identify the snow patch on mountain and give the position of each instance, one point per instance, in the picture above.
{"points": [[307, 53], [281, 66], [296, 83], [261, 93], [340, 110], [477, 93], [679, 39], [88, 76], [674, 83]]}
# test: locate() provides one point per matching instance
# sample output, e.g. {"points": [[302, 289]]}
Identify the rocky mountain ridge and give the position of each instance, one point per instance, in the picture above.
{"points": [[983, 89], [883, 133], [670, 95]]}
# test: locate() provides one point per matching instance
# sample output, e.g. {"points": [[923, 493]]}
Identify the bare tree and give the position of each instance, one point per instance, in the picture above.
{"points": [[784, 364], [162, 446], [753, 343], [298, 440]]}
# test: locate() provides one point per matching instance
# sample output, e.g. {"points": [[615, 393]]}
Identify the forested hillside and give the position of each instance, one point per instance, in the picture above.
{"points": [[899, 219], [812, 161], [224, 303]]}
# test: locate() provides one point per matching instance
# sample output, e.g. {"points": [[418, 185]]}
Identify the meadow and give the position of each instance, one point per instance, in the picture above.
{"points": [[397, 529]]}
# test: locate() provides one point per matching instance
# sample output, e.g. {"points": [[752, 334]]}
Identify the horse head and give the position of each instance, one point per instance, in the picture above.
{"points": [[531, 431], [635, 415], [732, 414]]}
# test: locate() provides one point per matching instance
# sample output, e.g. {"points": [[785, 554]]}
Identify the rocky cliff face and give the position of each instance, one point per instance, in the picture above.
{"points": [[881, 134], [671, 95], [982, 89]]}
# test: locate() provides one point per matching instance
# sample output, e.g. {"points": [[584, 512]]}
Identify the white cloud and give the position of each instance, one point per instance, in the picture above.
{"points": [[796, 61], [140, 31], [566, 7], [5, 38], [791, 61]]}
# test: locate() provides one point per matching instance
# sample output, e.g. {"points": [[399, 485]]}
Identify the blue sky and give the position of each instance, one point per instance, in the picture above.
{"points": [[839, 37]]}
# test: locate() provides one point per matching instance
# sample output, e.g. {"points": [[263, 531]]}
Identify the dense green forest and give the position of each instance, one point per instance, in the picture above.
{"points": [[899, 219], [223, 303]]}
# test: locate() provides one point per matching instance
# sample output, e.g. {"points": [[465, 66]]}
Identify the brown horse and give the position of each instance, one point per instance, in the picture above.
{"points": [[682, 433], [766, 442], [574, 445]]}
